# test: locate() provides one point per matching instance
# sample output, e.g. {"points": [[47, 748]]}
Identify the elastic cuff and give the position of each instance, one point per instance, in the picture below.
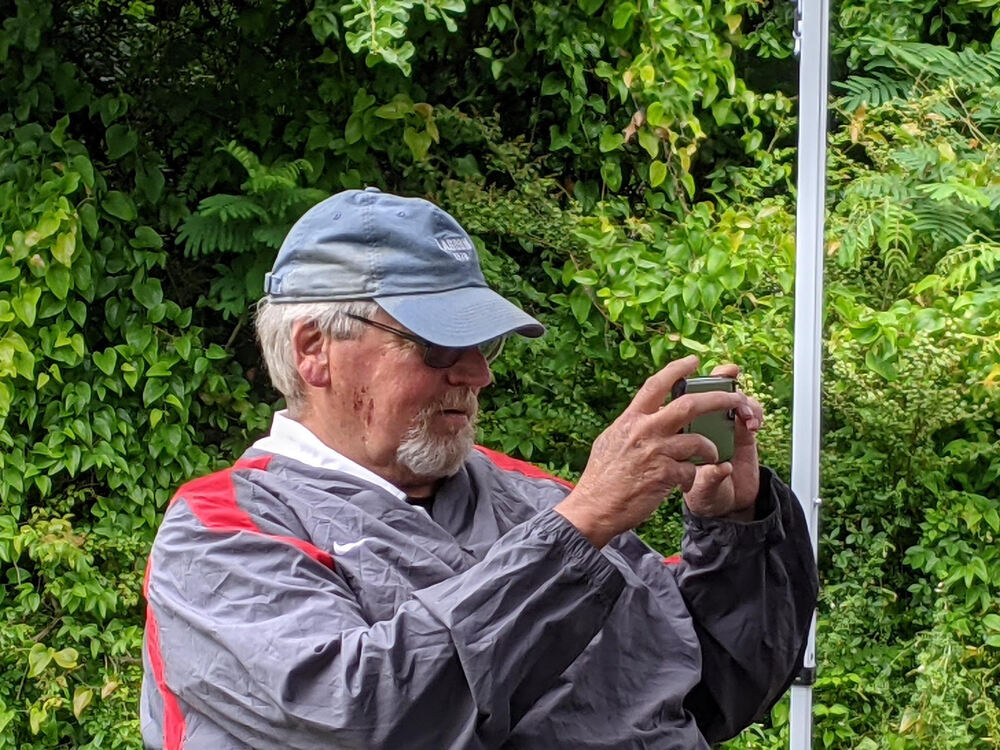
{"points": [[766, 528], [581, 557]]}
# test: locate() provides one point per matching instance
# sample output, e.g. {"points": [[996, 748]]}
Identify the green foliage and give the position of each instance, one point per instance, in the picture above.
{"points": [[626, 171]]}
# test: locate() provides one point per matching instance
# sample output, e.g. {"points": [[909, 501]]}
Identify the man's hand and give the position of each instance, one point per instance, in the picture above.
{"points": [[637, 461], [730, 489]]}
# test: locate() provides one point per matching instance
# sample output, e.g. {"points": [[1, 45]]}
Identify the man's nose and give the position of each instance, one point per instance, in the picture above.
{"points": [[471, 370]]}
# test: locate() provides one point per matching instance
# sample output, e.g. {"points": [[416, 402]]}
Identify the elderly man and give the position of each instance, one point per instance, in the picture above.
{"points": [[364, 577]]}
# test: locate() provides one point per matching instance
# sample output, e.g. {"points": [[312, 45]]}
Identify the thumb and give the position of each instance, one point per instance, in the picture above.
{"points": [[711, 476]]}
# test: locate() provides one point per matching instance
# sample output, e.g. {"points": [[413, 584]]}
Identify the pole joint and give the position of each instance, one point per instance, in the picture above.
{"points": [[806, 677]]}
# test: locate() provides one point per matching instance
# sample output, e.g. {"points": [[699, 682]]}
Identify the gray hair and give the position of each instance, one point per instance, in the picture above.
{"points": [[274, 332]]}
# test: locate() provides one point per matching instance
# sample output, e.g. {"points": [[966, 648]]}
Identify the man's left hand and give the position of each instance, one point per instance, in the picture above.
{"points": [[729, 489]]}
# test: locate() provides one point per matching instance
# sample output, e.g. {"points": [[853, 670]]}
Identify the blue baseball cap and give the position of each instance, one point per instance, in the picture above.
{"points": [[407, 255]]}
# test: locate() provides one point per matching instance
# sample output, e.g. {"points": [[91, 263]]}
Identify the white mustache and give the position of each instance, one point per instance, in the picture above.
{"points": [[464, 401]]}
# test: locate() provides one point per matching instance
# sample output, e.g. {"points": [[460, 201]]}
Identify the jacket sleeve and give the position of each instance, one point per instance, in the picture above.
{"points": [[272, 647], [751, 589]]}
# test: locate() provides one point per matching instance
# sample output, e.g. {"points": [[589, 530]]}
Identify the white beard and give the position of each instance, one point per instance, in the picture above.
{"points": [[435, 456]]}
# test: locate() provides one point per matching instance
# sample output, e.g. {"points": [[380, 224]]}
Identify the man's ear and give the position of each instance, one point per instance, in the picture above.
{"points": [[309, 347]]}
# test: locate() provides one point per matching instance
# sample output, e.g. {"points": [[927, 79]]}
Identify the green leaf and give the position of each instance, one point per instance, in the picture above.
{"points": [[695, 346], [149, 292], [691, 293], [552, 84], [119, 205], [67, 657], [105, 360], [580, 305], [8, 271], [419, 142], [82, 697], [121, 140], [88, 219], [150, 182], [38, 659], [182, 346], [64, 247], [395, 110], [657, 173], [654, 114], [58, 278], [77, 311], [884, 367], [147, 237], [612, 175], [610, 140], [36, 717], [624, 13], [84, 168], [355, 128], [58, 134], [216, 352], [649, 142], [153, 390], [25, 304], [160, 368]]}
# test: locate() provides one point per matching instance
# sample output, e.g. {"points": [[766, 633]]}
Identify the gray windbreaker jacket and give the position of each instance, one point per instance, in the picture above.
{"points": [[296, 607]]}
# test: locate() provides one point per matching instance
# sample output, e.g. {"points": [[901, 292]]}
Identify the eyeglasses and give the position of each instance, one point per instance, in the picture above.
{"points": [[439, 357]]}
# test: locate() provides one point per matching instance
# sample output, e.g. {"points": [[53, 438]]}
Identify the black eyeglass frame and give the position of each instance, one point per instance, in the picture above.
{"points": [[437, 356]]}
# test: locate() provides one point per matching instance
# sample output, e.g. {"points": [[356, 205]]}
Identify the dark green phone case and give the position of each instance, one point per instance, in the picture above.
{"points": [[717, 426]]}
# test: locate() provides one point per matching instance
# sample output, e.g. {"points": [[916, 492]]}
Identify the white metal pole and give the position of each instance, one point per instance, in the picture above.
{"points": [[812, 45]]}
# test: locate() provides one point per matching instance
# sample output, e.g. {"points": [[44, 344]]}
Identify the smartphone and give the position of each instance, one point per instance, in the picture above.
{"points": [[717, 426]]}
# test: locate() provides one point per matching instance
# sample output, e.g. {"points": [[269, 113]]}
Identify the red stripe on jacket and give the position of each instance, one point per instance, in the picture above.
{"points": [[212, 500], [174, 727], [521, 467]]}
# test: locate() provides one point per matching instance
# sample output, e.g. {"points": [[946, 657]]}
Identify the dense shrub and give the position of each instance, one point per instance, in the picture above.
{"points": [[626, 169]]}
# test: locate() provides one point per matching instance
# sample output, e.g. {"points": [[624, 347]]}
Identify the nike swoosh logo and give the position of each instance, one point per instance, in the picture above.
{"points": [[341, 549]]}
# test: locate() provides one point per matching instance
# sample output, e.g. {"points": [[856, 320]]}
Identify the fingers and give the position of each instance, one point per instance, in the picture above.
{"points": [[706, 488], [682, 411], [727, 371], [751, 417], [684, 447], [656, 389]]}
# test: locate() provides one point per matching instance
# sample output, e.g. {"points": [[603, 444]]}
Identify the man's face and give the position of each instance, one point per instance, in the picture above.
{"points": [[397, 416]]}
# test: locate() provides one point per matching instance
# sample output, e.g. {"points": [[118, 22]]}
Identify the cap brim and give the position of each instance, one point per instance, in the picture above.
{"points": [[460, 317]]}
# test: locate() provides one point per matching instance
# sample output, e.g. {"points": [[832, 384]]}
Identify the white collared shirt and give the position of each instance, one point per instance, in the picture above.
{"points": [[296, 441]]}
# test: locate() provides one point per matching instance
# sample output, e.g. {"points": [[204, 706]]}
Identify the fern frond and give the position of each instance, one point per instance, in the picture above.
{"points": [[243, 155], [992, 193], [878, 186], [856, 236], [871, 91], [894, 238], [967, 264], [294, 201], [203, 235], [946, 223], [271, 236], [927, 59], [230, 207], [266, 182], [916, 160]]}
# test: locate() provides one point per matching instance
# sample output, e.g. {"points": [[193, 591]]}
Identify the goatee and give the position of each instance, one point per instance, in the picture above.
{"points": [[433, 455]]}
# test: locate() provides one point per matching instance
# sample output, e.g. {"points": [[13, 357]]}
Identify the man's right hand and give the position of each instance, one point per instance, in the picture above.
{"points": [[642, 456]]}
